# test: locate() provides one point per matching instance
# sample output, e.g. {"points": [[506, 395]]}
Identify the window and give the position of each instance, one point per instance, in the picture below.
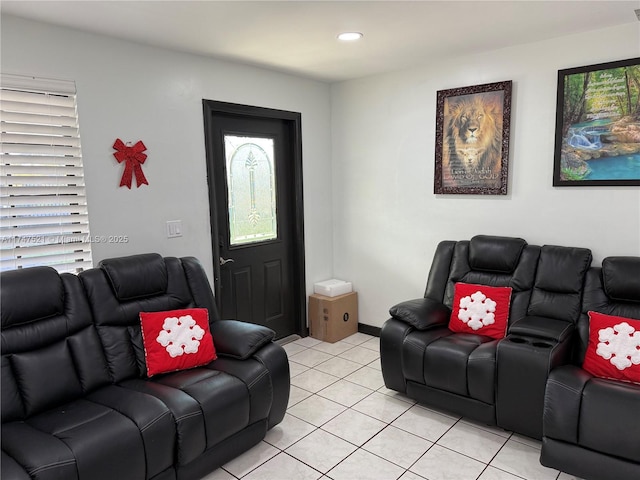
{"points": [[251, 183], [43, 212]]}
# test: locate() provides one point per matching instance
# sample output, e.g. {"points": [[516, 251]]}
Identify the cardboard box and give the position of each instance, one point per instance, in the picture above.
{"points": [[333, 318], [332, 288]]}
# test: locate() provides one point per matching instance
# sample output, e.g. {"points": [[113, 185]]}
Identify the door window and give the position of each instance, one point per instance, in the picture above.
{"points": [[251, 186]]}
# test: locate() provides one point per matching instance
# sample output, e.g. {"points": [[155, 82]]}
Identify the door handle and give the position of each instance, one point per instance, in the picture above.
{"points": [[224, 261]]}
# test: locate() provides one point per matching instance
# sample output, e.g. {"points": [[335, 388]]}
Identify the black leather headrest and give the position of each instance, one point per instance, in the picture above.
{"points": [[136, 276], [621, 277], [495, 254], [30, 294]]}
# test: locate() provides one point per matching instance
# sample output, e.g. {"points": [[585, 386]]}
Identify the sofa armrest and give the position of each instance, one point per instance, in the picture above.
{"points": [[12, 469], [542, 327], [421, 313], [562, 400], [236, 339]]}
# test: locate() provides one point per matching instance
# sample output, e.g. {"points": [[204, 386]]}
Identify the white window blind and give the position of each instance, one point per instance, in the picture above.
{"points": [[43, 215]]}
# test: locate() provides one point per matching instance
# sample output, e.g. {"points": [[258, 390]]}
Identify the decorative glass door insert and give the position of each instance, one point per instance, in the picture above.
{"points": [[251, 188]]}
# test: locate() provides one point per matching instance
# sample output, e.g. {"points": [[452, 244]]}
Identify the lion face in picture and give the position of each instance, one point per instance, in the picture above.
{"points": [[472, 144], [471, 123]]}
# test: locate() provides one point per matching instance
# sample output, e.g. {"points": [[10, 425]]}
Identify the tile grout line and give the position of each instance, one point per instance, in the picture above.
{"points": [[375, 408]]}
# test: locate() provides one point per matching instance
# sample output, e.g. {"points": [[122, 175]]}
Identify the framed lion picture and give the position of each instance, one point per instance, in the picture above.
{"points": [[472, 139]]}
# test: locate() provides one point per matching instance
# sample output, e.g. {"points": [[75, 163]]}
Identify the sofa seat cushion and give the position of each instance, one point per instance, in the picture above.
{"points": [[609, 420], [256, 379], [593, 413], [77, 440], [223, 399], [153, 419], [186, 413], [414, 346], [208, 406], [463, 364]]}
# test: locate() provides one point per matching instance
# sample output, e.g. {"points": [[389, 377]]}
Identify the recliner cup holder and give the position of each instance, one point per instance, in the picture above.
{"points": [[523, 341], [517, 340]]}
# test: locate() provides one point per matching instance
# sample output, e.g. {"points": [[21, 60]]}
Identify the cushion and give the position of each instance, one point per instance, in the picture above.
{"points": [[421, 313], [495, 254], [176, 340], [20, 305], [136, 276], [240, 339], [614, 347], [621, 279], [480, 309]]}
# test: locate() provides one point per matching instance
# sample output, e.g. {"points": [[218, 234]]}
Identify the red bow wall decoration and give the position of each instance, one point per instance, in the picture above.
{"points": [[134, 159]]}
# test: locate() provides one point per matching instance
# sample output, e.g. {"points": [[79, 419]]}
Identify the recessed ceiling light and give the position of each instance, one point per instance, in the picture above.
{"points": [[350, 36]]}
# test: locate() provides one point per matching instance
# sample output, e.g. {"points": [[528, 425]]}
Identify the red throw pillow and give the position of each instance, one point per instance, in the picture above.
{"points": [[480, 309], [176, 340], [614, 347]]}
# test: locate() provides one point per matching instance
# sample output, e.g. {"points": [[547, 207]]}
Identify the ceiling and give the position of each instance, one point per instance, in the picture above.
{"points": [[299, 37]]}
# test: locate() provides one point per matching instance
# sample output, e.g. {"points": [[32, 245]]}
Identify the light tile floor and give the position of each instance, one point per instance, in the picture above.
{"points": [[343, 424]]}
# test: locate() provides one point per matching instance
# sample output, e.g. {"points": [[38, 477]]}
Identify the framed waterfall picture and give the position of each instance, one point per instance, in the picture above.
{"points": [[598, 125], [472, 139]]}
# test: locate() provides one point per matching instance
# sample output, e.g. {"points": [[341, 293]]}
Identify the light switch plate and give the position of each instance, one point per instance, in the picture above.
{"points": [[174, 228]]}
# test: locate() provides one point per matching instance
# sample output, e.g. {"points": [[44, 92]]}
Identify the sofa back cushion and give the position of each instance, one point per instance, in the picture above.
{"points": [[120, 288], [20, 304], [495, 254], [613, 289], [621, 278], [559, 283], [139, 276], [51, 353], [485, 260]]}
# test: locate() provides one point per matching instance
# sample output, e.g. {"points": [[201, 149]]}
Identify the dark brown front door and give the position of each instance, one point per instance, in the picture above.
{"points": [[255, 192]]}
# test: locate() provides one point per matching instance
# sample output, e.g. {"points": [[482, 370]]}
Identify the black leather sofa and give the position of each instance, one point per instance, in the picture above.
{"points": [[494, 381], [592, 425], [76, 401]]}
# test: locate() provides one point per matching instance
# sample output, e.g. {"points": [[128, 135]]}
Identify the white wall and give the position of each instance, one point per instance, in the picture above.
{"points": [[368, 150], [387, 220], [134, 92]]}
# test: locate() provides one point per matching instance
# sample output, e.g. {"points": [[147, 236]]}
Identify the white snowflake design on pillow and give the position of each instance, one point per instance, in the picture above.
{"points": [[477, 310], [180, 335], [620, 345]]}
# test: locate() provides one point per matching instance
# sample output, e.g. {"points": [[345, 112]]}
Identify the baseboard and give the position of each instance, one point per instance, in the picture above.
{"points": [[369, 329], [289, 339]]}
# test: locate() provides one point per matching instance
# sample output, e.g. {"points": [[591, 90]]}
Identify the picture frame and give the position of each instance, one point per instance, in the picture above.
{"points": [[597, 135], [472, 139]]}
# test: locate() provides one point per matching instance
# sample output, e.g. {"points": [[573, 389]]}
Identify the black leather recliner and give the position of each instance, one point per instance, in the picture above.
{"points": [[51, 361], [592, 425], [76, 402], [461, 372]]}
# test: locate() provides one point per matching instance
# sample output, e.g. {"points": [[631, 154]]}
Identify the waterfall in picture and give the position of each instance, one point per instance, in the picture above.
{"points": [[584, 138]]}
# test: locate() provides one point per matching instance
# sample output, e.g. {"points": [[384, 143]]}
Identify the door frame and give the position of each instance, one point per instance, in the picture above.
{"points": [[293, 121]]}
